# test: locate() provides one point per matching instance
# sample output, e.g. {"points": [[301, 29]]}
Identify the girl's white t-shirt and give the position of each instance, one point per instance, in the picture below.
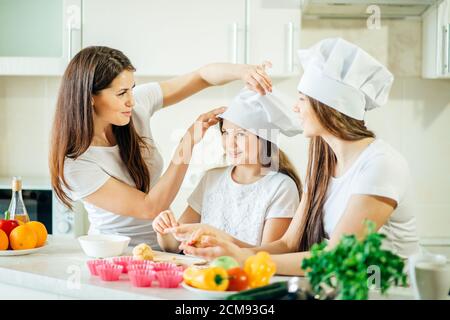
{"points": [[380, 171], [96, 165], [241, 210]]}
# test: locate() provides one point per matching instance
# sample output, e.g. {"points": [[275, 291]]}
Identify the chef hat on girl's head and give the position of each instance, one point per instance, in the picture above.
{"points": [[344, 77], [263, 115]]}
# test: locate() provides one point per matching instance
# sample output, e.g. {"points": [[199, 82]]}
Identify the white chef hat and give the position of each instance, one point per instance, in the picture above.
{"points": [[263, 115], [344, 77]]}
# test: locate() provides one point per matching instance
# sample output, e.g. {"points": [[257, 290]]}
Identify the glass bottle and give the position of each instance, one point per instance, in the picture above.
{"points": [[17, 210]]}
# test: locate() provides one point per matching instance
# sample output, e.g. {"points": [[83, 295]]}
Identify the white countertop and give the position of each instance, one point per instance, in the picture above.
{"points": [[60, 269]]}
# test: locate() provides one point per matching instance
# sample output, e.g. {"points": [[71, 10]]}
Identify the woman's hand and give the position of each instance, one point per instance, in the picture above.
{"points": [[198, 129], [256, 78], [165, 220]]}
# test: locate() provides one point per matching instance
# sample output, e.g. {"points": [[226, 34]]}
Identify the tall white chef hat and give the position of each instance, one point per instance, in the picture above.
{"points": [[263, 115], [344, 77]]}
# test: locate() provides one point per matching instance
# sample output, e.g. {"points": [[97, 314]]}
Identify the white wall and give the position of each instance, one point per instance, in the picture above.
{"points": [[415, 121]]}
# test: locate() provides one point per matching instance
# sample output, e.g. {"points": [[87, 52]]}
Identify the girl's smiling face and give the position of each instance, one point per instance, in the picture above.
{"points": [[308, 118], [240, 145]]}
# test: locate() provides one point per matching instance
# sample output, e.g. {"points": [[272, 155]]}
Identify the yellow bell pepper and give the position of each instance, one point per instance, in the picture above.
{"points": [[259, 268], [215, 278]]}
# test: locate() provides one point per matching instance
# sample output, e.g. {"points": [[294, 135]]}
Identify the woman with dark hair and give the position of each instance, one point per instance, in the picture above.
{"points": [[102, 151], [351, 176]]}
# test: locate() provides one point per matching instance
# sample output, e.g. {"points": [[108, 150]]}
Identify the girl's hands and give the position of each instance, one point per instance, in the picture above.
{"points": [[256, 78], [211, 247], [192, 233], [165, 220]]}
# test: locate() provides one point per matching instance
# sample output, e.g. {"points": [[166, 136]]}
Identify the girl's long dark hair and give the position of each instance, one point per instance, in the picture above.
{"points": [[320, 168], [90, 71]]}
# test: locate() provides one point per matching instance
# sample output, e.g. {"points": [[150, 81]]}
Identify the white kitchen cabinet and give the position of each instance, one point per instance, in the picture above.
{"points": [[274, 34], [436, 41], [38, 37], [167, 37]]}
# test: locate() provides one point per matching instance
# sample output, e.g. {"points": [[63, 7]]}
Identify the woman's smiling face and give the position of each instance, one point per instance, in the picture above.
{"points": [[241, 146], [308, 118], [113, 104]]}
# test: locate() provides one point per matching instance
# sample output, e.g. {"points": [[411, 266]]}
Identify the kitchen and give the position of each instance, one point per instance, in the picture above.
{"points": [[39, 38]]}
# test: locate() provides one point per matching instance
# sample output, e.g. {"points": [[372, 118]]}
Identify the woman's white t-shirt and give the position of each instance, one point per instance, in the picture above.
{"points": [[241, 210], [96, 165], [380, 171]]}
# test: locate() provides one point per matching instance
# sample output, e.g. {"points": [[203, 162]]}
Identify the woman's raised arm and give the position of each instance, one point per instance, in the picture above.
{"points": [[214, 74]]}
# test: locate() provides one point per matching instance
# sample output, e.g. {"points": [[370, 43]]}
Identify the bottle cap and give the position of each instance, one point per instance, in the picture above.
{"points": [[17, 184]]}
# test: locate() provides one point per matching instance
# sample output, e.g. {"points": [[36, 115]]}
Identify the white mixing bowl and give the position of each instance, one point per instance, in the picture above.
{"points": [[103, 245]]}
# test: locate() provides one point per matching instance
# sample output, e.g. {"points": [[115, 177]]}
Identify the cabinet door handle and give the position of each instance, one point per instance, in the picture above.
{"points": [[290, 47], [73, 23], [446, 45], [234, 41], [69, 40]]}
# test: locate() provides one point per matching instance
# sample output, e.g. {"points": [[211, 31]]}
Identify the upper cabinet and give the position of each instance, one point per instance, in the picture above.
{"points": [[161, 37], [38, 37], [274, 34], [168, 37], [436, 41]]}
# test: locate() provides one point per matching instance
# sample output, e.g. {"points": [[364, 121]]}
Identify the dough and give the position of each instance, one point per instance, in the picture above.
{"points": [[143, 252]]}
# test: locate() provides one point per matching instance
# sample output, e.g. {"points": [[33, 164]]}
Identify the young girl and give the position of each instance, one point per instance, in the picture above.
{"points": [[252, 201], [351, 176]]}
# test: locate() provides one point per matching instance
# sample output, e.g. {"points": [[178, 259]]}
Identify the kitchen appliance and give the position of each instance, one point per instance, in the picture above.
{"points": [[43, 205]]}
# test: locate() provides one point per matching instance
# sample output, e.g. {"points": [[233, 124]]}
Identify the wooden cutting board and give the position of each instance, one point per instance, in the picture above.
{"points": [[178, 259]]}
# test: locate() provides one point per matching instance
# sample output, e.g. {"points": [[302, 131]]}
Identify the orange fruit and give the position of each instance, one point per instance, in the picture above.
{"points": [[21, 223], [41, 232], [4, 242], [23, 237]]}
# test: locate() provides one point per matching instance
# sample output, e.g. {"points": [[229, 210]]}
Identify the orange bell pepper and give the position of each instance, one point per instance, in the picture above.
{"points": [[259, 268]]}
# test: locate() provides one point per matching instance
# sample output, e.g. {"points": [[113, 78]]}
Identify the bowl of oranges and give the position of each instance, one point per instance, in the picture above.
{"points": [[20, 238]]}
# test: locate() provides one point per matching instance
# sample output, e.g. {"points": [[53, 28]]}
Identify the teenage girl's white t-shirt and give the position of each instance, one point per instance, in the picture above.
{"points": [[241, 210], [96, 165], [380, 171]]}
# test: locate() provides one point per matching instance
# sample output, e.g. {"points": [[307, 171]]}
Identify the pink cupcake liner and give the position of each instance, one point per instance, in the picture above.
{"points": [[169, 278], [140, 267], [93, 264], [109, 272], [140, 262], [123, 261], [141, 278], [162, 266]]}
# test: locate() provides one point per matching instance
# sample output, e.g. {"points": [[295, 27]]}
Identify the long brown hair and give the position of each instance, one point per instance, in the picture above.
{"points": [[273, 157], [90, 71], [281, 160], [320, 168]]}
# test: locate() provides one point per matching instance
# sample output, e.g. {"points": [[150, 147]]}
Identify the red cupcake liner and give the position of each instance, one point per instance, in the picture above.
{"points": [[109, 272], [141, 278], [92, 265], [169, 278]]}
